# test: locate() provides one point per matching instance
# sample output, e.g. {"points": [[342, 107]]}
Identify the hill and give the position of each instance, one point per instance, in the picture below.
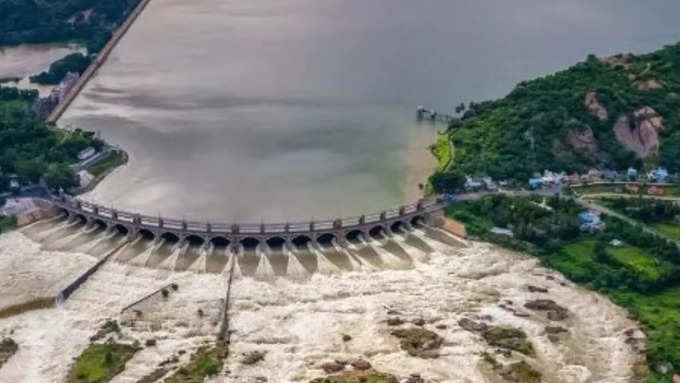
{"points": [[612, 112]]}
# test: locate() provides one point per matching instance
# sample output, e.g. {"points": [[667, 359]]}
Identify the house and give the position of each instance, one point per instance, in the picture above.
{"points": [[656, 190], [594, 175], [590, 221], [574, 178], [658, 175], [86, 153], [615, 243], [502, 231], [632, 189], [489, 184], [536, 183], [610, 175], [472, 185], [632, 174]]}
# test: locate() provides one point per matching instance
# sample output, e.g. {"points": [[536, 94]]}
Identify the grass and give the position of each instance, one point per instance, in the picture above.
{"points": [[105, 164], [205, 362], [575, 259], [442, 151], [33, 304], [368, 376], [659, 314], [596, 189], [99, 363], [637, 260], [7, 223], [669, 229]]}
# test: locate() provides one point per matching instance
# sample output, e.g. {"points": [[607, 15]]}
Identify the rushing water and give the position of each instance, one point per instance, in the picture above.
{"points": [[305, 108]]}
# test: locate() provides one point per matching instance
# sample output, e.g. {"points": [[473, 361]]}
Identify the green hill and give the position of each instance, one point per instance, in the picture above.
{"points": [[605, 112]]}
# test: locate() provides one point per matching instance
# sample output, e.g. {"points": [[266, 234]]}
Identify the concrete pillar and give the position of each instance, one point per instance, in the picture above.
{"points": [[383, 216], [184, 225], [161, 223], [78, 205], [287, 228], [114, 214], [421, 204], [137, 219], [208, 228], [402, 211], [262, 228], [95, 209], [337, 224], [235, 229], [311, 227], [362, 220]]}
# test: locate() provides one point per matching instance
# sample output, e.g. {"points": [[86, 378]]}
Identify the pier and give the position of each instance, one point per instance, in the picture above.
{"points": [[432, 115]]}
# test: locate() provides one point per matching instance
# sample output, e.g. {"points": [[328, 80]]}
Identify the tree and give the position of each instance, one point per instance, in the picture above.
{"points": [[447, 182], [61, 176]]}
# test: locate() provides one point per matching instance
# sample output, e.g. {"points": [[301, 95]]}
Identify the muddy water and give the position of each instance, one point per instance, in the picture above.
{"points": [[299, 323]]}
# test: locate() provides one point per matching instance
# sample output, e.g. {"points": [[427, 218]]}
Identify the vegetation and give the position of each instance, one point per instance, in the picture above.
{"points": [[640, 275], [107, 163], [33, 304], [33, 150], [419, 342], [509, 338], [528, 130], [89, 22], [206, 361], [7, 223], [75, 62], [7, 348], [99, 363], [368, 376]]}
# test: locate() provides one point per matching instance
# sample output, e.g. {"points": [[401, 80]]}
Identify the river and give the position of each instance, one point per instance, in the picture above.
{"points": [[270, 110]]}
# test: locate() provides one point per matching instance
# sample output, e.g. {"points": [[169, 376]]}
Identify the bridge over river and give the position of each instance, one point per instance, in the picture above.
{"points": [[342, 230]]}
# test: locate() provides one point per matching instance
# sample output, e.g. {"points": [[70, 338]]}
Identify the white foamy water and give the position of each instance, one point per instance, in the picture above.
{"points": [[299, 324]]}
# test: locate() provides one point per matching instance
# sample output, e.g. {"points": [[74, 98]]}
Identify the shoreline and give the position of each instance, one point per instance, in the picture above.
{"points": [[100, 59]]}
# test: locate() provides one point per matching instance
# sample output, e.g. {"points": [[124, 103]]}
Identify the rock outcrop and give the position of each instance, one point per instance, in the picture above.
{"points": [[595, 108], [583, 140], [553, 311], [650, 84], [643, 138]]}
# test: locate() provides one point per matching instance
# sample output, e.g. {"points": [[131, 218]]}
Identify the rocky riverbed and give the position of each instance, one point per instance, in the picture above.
{"points": [[471, 313]]}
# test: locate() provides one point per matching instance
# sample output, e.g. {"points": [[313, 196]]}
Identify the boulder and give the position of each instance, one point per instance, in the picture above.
{"points": [[395, 321], [509, 338], [472, 326], [419, 342], [415, 378], [595, 108], [536, 289], [252, 357], [554, 311], [331, 367], [643, 137], [360, 364]]}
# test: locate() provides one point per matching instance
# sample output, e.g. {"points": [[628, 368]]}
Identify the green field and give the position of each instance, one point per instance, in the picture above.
{"points": [[637, 260], [110, 161], [669, 229], [99, 363], [659, 313], [442, 151], [597, 189]]}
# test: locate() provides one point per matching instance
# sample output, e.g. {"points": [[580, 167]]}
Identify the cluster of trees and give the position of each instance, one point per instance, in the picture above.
{"points": [[87, 21], [645, 209], [32, 150], [528, 130], [75, 62]]}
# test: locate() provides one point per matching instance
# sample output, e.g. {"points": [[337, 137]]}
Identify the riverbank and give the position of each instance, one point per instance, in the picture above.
{"points": [[96, 63], [634, 267]]}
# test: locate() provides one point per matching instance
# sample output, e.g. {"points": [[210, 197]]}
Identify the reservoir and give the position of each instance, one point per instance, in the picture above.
{"points": [[291, 110]]}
